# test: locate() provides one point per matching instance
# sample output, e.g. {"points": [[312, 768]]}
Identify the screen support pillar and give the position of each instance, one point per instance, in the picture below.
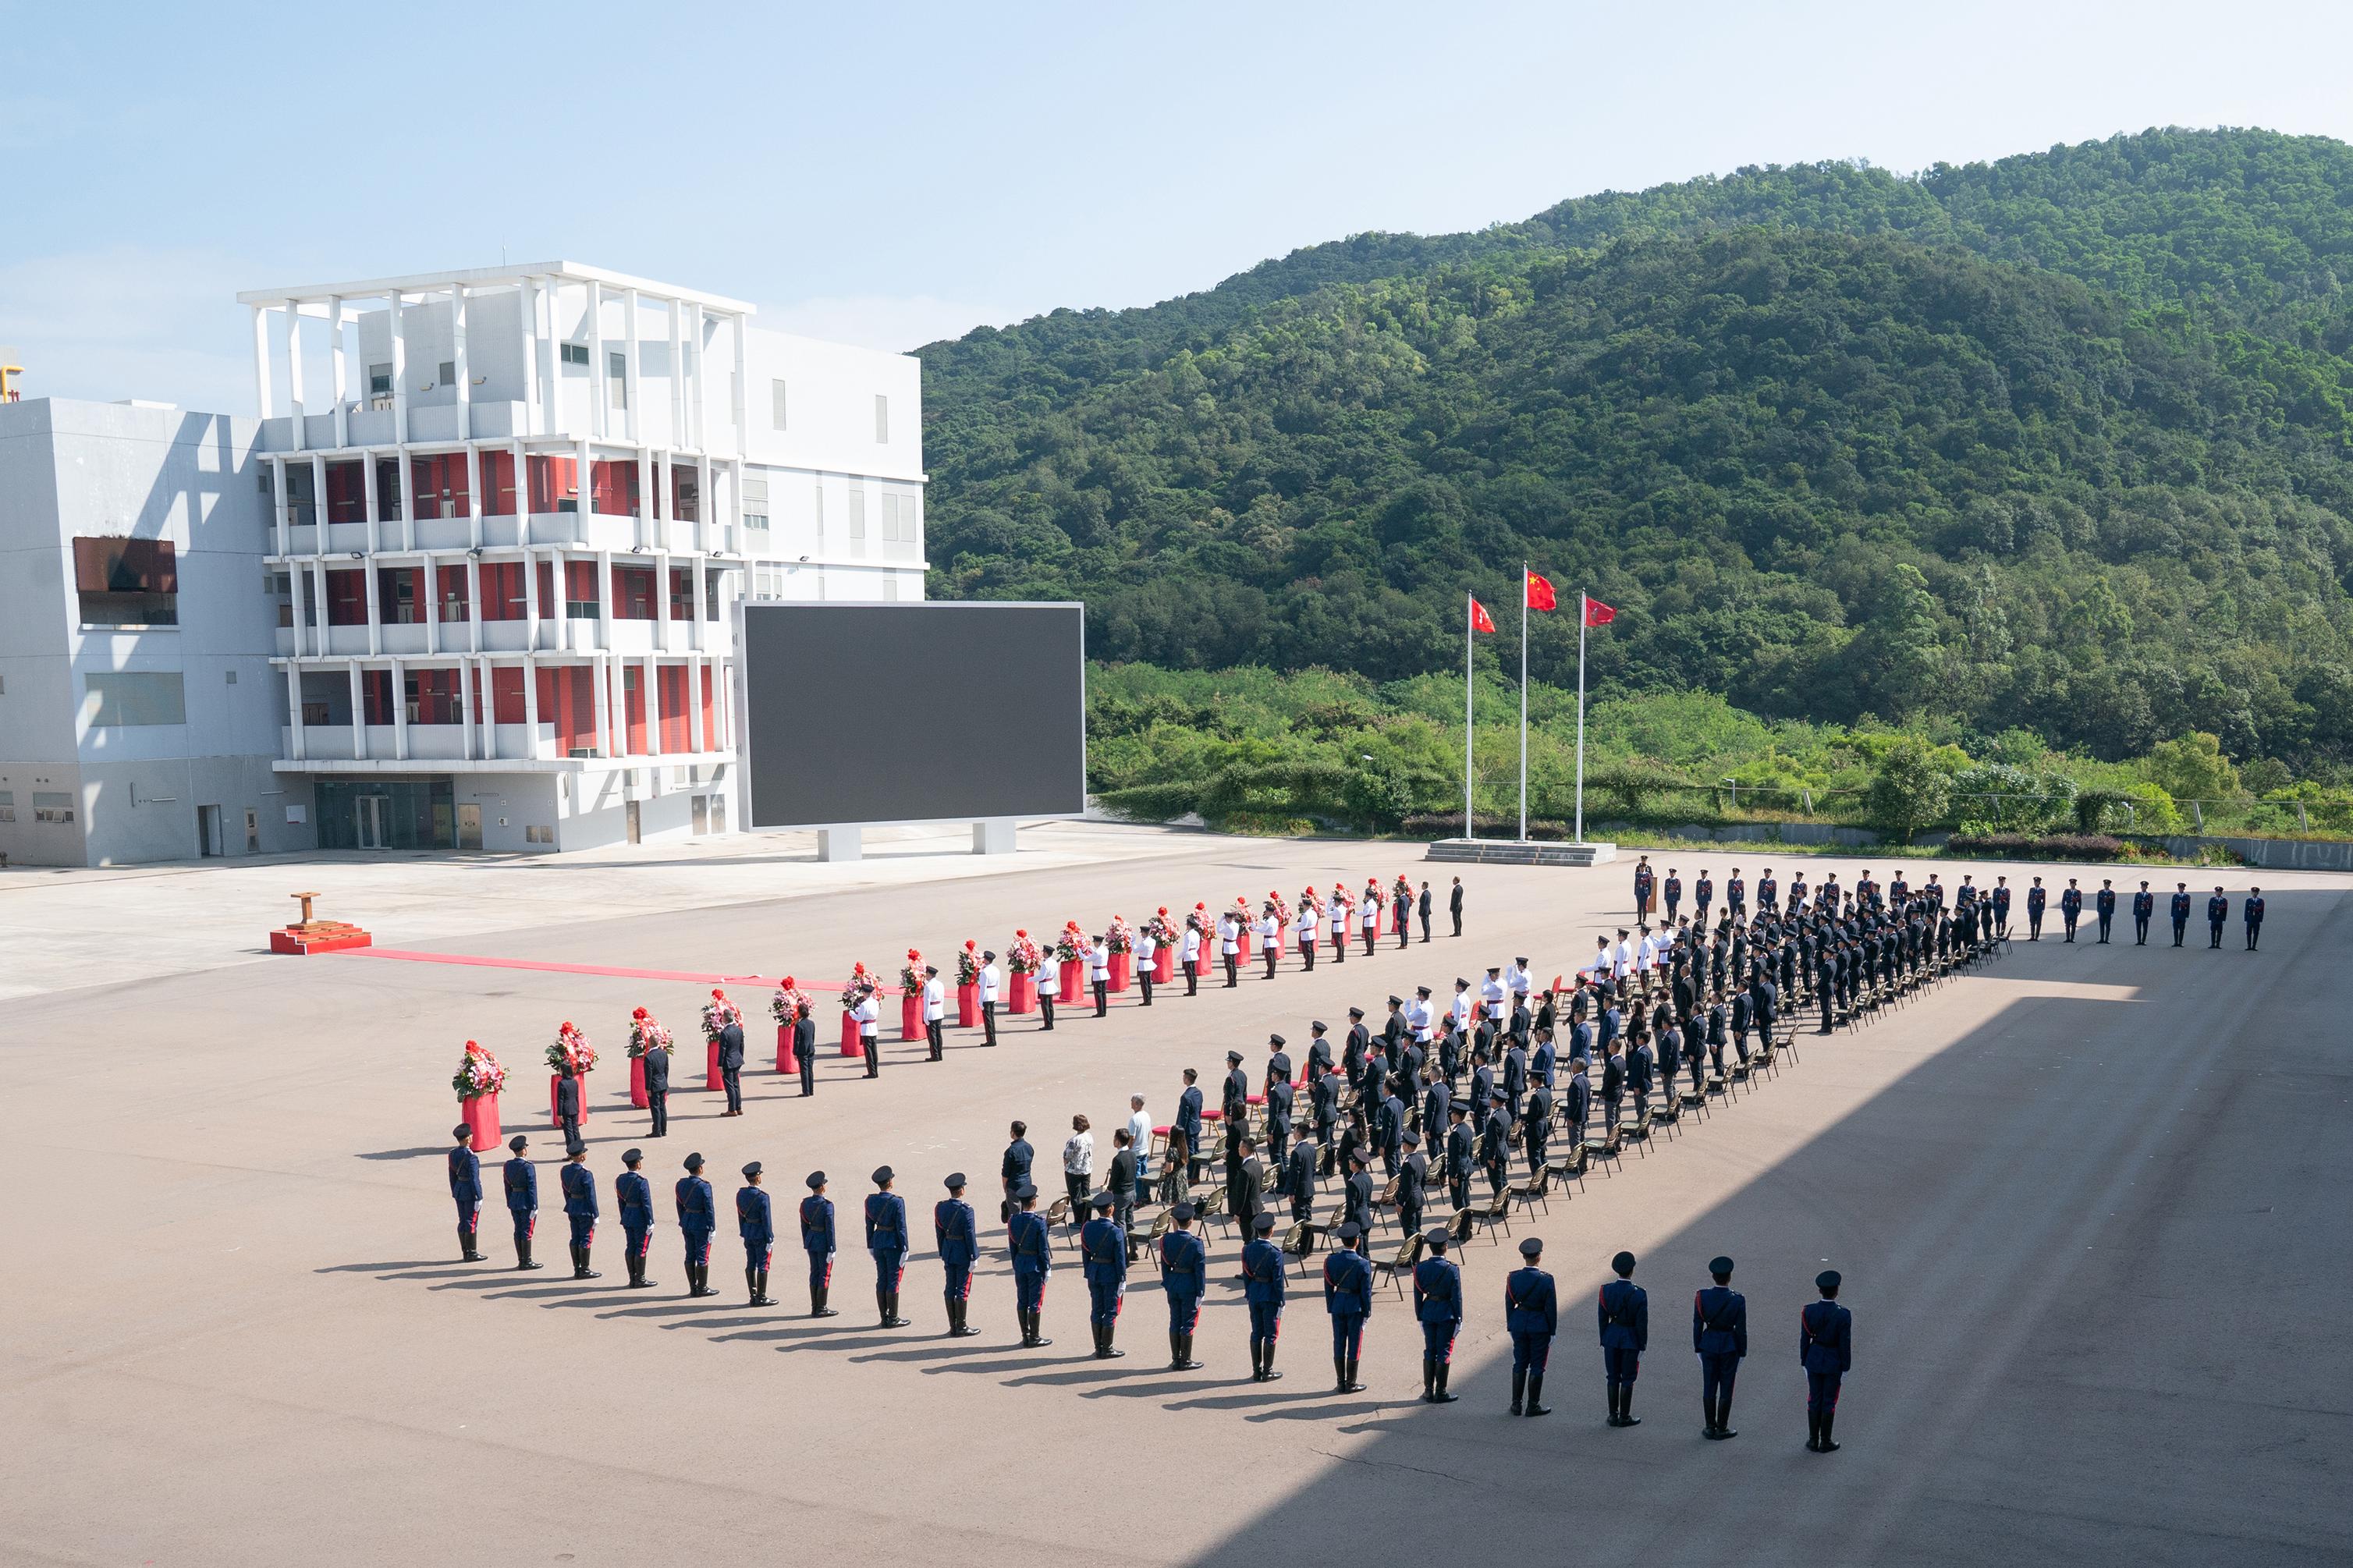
{"points": [[839, 843], [993, 835]]}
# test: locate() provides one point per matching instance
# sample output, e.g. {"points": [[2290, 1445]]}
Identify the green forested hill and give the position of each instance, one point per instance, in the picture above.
{"points": [[2059, 443]]}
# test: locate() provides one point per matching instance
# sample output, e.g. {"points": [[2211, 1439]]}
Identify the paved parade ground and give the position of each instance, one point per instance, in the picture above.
{"points": [[2094, 1206]]}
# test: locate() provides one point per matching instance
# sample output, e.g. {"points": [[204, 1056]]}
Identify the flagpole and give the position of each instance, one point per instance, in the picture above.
{"points": [[1467, 718], [1581, 618], [1524, 702]]}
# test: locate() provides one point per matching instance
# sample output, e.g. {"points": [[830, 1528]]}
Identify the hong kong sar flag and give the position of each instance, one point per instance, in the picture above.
{"points": [[1597, 614], [1480, 619]]}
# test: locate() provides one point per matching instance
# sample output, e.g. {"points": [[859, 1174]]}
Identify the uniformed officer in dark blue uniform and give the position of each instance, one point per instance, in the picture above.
{"points": [[2254, 909], [956, 1229], [2218, 910], [2179, 910], [1437, 1307], [1265, 1286], [1625, 1315], [1532, 1314], [1102, 1253], [698, 1217], [466, 1191], [2144, 905], [2071, 907], [1184, 1275], [2001, 908], [1720, 1335], [580, 1207], [634, 1196], [1826, 1350], [1033, 1260], [2104, 903], [1348, 1297], [886, 1242], [818, 1242], [521, 1181], [756, 1224], [2036, 899]]}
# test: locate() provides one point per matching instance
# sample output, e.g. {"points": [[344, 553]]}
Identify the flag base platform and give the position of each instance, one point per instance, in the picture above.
{"points": [[317, 936], [1520, 852]]}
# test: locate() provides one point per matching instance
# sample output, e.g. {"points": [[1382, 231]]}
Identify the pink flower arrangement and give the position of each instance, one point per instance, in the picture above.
{"points": [[1197, 918], [785, 1006], [1073, 944], [1281, 909], [1162, 929], [910, 974], [479, 1075], [1023, 957], [646, 1034], [860, 986], [968, 963], [717, 1013], [1120, 937], [570, 1051]]}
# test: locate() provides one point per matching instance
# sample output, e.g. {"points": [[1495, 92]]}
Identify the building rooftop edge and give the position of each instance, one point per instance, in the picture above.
{"points": [[510, 273]]}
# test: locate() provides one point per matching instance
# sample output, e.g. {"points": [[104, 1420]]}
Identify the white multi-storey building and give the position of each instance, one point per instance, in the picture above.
{"points": [[498, 545]]}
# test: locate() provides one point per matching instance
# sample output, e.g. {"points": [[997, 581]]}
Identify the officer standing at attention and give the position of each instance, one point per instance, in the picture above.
{"points": [[698, 1217], [957, 1231], [1189, 949], [1230, 948], [521, 1181], [466, 1191], [1413, 1182], [1532, 1314], [2179, 910], [2001, 908], [2255, 916], [1188, 1122], [886, 1241], [1184, 1275], [658, 1092], [869, 1032], [1280, 1098], [1103, 1251], [804, 1048], [818, 1242], [2104, 904], [731, 1067], [1298, 1180], [2036, 899], [1720, 1336], [1673, 889], [1049, 980], [2071, 907], [634, 1196], [1826, 1350], [1033, 1260], [2144, 905], [1265, 1286], [1146, 949], [1423, 907], [758, 1225], [1454, 905], [935, 1011], [1099, 974], [568, 1111], [1356, 1197], [1625, 1313], [1437, 1307], [1348, 1297], [2218, 910], [1642, 887], [988, 987]]}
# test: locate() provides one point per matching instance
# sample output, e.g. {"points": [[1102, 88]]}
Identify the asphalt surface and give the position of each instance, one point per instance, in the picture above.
{"points": [[2091, 1205]]}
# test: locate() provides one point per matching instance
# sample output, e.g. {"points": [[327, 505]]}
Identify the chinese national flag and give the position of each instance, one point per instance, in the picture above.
{"points": [[1597, 614], [1540, 594], [1481, 621]]}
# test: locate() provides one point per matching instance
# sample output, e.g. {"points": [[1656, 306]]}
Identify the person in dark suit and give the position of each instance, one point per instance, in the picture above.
{"points": [[1720, 1338], [1356, 1198], [1437, 1307], [1348, 1297], [1013, 1171], [2071, 907], [956, 1230], [466, 1192], [731, 1067], [634, 1196], [886, 1243], [755, 1223], [1532, 1315], [1265, 1286], [521, 1179], [1625, 1316], [568, 1101], [1412, 1179], [1299, 1180], [1280, 1097], [1250, 1184], [1189, 1124], [1826, 1350], [1461, 1153], [658, 1092], [804, 1049], [1454, 905], [1120, 1181], [817, 1241], [697, 1219], [1424, 910]]}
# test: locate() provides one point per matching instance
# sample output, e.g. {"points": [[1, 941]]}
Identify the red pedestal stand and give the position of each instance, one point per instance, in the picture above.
{"points": [[1164, 963], [481, 1116], [1074, 981], [711, 1079], [911, 1016], [1122, 963], [638, 1082], [1021, 993], [1246, 941], [850, 1043], [555, 1081], [787, 1062], [1280, 932], [968, 1006]]}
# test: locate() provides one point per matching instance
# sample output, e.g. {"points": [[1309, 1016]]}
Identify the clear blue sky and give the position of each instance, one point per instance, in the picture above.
{"points": [[895, 173]]}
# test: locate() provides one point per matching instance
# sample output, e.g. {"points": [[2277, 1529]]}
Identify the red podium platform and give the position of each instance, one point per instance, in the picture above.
{"points": [[307, 935]]}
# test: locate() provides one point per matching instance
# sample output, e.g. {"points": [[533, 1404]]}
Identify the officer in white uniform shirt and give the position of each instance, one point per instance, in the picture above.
{"points": [[1490, 997], [935, 1010], [1368, 916], [1621, 958], [1335, 913], [1459, 1008], [1308, 915], [1515, 978], [1146, 949], [989, 981], [868, 1038], [1099, 976], [1417, 1016], [1190, 952], [1270, 935], [1230, 947], [1050, 989]]}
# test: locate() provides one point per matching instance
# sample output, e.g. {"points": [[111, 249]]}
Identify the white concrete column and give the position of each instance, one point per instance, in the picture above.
{"points": [[399, 712], [473, 491], [317, 569], [604, 601], [376, 610], [522, 493], [294, 368], [359, 713], [429, 590], [464, 709], [458, 298], [294, 710], [603, 704], [599, 397], [400, 396], [530, 602], [530, 707], [679, 434], [474, 604], [369, 500], [695, 671], [261, 400], [527, 317], [296, 584], [653, 679], [277, 504], [701, 602], [319, 495], [724, 704], [342, 374], [649, 525], [742, 443], [661, 601], [631, 379]]}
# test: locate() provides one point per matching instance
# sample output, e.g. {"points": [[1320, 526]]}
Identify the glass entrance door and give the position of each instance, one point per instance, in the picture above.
{"points": [[372, 821], [469, 827]]}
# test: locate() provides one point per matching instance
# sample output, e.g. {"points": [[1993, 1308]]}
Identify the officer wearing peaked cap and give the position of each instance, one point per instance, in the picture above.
{"points": [[521, 1179], [1532, 1315], [698, 1217], [1033, 1259], [465, 1190], [1183, 1274], [886, 1243], [1265, 1286], [1720, 1336], [1348, 1297], [1625, 1313], [1437, 1307], [817, 1242], [755, 1223], [634, 1196], [1103, 1251], [956, 1229], [581, 1209], [1826, 1350]]}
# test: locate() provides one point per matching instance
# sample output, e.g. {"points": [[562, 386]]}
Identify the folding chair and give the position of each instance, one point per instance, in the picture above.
{"points": [[1401, 1263]]}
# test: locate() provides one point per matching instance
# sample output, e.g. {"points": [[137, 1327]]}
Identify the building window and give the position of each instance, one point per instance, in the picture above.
{"points": [[449, 373], [777, 404], [755, 504], [380, 381], [899, 519], [881, 420], [232, 678], [617, 379], [8, 805], [573, 354], [127, 581], [536, 835], [857, 514], [124, 699], [52, 807]]}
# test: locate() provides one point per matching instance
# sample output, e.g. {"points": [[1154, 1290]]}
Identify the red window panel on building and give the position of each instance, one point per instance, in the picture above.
{"points": [[612, 488], [503, 591], [681, 593], [710, 720], [452, 593], [506, 694], [677, 733], [399, 596], [633, 707], [685, 493], [441, 482], [387, 489], [346, 599], [567, 699], [633, 592], [346, 492], [551, 607], [555, 484], [498, 484], [433, 696], [580, 588], [376, 695]]}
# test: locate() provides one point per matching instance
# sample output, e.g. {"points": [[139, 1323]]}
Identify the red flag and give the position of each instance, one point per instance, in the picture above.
{"points": [[1597, 614], [1540, 594], [1481, 621]]}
